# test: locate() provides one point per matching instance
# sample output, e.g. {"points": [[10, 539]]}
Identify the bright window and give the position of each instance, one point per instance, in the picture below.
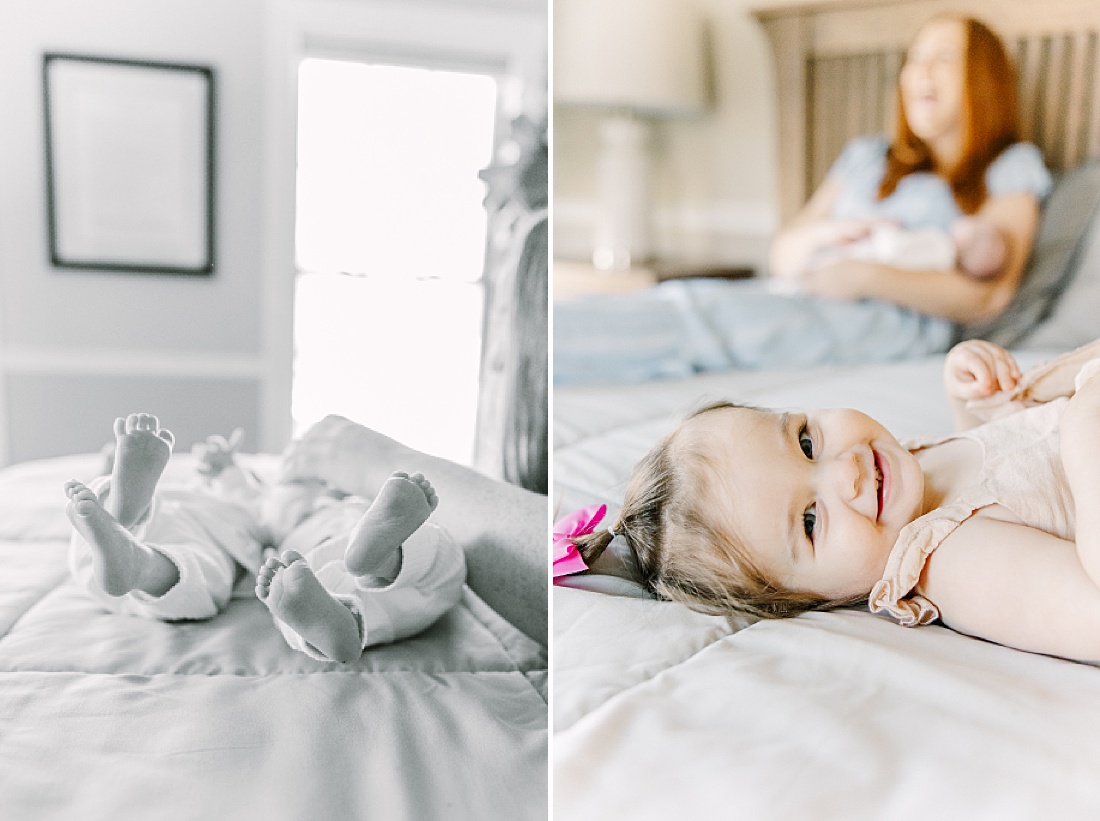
{"points": [[390, 246]]}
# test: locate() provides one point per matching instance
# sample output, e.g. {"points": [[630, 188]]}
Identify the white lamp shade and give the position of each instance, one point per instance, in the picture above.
{"points": [[644, 56]]}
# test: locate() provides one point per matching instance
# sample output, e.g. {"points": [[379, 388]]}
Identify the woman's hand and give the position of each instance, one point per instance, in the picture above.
{"points": [[327, 451], [347, 456], [976, 369], [812, 231], [829, 232]]}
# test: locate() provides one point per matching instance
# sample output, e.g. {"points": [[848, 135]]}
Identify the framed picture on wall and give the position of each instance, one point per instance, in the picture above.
{"points": [[129, 164]]}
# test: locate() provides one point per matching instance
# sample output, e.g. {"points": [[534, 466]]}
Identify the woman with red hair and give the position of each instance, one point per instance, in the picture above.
{"points": [[956, 154], [906, 240]]}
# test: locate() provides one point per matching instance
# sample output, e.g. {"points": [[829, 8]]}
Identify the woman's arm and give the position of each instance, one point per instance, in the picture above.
{"points": [[1017, 586], [506, 550], [947, 293], [811, 230]]}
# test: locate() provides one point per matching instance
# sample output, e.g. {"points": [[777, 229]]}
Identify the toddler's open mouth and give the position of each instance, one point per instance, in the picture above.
{"points": [[878, 485]]}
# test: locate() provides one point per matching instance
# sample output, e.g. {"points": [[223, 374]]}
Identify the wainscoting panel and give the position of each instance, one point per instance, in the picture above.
{"points": [[52, 414]]}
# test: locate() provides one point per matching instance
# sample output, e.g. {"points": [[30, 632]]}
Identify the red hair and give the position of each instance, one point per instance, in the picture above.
{"points": [[989, 114]]}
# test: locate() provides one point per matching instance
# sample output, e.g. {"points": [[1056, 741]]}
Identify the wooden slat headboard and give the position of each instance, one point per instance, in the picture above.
{"points": [[837, 63]]}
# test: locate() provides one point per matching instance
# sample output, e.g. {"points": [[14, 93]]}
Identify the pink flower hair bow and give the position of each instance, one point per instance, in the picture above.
{"points": [[567, 559]]}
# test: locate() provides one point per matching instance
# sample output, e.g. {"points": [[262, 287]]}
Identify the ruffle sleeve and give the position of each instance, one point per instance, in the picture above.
{"points": [[861, 158], [918, 540], [1019, 169]]}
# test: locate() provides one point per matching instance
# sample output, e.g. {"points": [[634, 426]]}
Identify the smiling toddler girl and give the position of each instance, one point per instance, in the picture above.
{"points": [[994, 530]]}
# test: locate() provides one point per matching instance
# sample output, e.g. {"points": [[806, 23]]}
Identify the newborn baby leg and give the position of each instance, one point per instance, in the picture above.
{"points": [[120, 563], [142, 449], [403, 504], [296, 598]]}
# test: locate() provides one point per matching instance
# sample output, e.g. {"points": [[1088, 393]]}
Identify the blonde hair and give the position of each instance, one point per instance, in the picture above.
{"points": [[685, 554]]}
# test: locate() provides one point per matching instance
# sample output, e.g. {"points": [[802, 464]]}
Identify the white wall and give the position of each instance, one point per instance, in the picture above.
{"points": [[203, 353], [715, 197], [78, 348]]}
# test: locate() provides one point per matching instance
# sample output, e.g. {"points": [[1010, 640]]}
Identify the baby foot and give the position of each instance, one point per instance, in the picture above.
{"points": [[142, 449], [296, 598], [403, 504], [119, 562]]}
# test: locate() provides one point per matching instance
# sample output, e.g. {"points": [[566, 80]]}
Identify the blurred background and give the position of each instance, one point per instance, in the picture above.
{"points": [[379, 185], [697, 79]]}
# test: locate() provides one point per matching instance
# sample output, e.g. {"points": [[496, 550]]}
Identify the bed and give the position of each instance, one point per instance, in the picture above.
{"points": [[659, 711], [104, 716]]}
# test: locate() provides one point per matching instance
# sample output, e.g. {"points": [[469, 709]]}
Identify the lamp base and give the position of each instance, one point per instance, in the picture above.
{"points": [[622, 237]]}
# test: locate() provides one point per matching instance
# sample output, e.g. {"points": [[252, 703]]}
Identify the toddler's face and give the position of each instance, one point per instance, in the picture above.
{"points": [[818, 499]]}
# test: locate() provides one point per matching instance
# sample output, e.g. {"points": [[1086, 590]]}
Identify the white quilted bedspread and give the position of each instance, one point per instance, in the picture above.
{"points": [[113, 717], [662, 713]]}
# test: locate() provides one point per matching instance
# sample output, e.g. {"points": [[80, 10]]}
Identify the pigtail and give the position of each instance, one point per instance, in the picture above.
{"points": [[592, 545]]}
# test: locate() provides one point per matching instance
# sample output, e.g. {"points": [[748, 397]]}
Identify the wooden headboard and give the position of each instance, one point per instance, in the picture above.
{"points": [[837, 63]]}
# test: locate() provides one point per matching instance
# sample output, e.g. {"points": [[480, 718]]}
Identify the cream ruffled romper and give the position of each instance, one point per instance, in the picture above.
{"points": [[1021, 470]]}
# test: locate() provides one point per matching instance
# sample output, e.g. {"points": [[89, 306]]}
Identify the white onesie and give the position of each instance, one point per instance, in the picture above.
{"points": [[210, 539], [429, 583], [211, 531]]}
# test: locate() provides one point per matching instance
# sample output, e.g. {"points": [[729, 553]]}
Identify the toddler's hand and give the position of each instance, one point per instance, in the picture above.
{"points": [[975, 369], [216, 453]]}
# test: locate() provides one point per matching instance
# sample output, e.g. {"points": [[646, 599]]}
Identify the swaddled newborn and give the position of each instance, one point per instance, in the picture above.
{"points": [[973, 245]]}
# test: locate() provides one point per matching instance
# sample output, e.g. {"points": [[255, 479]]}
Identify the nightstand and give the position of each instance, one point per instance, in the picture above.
{"points": [[573, 279]]}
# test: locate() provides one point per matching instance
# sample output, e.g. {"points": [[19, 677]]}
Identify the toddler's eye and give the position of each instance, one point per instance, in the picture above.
{"points": [[806, 443], [809, 519]]}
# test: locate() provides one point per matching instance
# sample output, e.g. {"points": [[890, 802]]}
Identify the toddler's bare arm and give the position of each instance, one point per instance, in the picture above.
{"points": [[1017, 586], [1080, 445]]}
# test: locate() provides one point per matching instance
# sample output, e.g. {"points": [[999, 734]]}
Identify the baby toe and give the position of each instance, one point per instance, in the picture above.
{"points": [[84, 506]]}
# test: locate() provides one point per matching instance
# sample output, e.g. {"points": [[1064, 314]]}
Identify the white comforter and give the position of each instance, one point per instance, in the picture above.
{"points": [[113, 717], [664, 713]]}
